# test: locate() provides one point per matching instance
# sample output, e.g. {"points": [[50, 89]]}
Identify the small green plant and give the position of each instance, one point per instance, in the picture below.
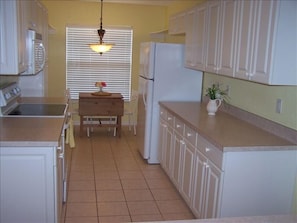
{"points": [[215, 92]]}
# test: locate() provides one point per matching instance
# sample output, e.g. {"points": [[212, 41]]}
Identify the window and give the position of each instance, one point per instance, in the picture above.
{"points": [[84, 67]]}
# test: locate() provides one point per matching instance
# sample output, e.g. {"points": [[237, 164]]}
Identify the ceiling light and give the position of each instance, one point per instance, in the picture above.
{"points": [[101, 47]]}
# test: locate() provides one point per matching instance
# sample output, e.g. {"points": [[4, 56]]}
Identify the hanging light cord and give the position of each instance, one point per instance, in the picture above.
{"points": [[101, 31]]}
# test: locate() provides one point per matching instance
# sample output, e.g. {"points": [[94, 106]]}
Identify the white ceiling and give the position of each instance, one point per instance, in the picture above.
{"points": [[141, 2]]}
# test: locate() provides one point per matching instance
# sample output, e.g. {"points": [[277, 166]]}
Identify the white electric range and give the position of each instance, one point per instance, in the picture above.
{"points": [[10, 106]]}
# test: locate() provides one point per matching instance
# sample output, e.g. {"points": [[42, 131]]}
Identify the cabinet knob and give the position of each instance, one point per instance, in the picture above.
{"points": [[177, 126], [59, 148], [207, 149], [169, 118], [189, 134], [182, 142]]}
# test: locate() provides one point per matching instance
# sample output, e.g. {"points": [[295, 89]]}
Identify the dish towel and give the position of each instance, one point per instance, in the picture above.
{"points": [[69, 134]]}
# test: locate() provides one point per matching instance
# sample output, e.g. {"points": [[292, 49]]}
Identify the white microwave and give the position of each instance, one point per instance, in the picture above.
{"points": [[35, 53]]}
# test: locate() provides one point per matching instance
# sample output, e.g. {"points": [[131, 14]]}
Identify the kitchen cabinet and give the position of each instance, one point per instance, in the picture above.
{"points": [[13, 38], [16, 18], [230, 181], [188, 164], [245, 39], [221, 28], [271, 51], [165, 142], [177, 150], [177, 24], [263, 25], [195, 40], [213, 35], [31, 184], [208, 180]]}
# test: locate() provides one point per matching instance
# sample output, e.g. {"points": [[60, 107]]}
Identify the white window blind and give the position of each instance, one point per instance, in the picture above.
{"points": [[84, 67]]}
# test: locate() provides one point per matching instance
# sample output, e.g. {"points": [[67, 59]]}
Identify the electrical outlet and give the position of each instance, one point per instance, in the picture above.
{"points": [[227, 90], [279, 105]]}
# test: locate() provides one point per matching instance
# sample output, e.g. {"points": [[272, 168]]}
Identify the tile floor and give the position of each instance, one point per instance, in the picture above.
{"points": [[110, 182]]}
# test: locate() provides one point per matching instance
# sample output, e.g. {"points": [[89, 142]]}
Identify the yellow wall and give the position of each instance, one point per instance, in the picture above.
{"points": [[143, 20], [255, 98]]}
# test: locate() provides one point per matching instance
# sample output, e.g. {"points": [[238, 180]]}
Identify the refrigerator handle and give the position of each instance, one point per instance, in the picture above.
{"points": [[144, 98]]}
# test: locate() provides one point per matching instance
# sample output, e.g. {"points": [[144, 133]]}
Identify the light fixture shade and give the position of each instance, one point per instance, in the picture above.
{"points": [[101, 47]]}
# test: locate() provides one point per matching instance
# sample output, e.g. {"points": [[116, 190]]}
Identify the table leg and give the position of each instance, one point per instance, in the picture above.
{"points": [[81, 127], [119, 125]]}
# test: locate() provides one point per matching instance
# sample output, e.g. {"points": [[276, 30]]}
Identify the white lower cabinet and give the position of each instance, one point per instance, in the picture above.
{"points": [[31, 184], [215, 184]]}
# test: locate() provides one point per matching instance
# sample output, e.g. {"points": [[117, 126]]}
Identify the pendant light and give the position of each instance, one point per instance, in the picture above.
{"points": [[101, 47]]}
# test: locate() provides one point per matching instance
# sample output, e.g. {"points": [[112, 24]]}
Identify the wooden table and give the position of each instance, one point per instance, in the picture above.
{"points": [[101, 105]]}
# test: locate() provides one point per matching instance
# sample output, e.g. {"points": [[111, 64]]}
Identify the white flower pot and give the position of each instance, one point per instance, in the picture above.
{"points": [[213, 106]]}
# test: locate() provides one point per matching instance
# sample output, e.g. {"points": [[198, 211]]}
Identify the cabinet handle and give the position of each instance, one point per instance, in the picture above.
{"points": [[61, 156], [182, 142], [169, 118], [165, 126], [177, 126], [207, 149], [206, 165], [59, 148], [189, 134]]}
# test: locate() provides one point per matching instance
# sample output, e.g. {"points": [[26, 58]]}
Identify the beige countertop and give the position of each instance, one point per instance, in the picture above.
{"points": [[225, 131], [32, 131]]}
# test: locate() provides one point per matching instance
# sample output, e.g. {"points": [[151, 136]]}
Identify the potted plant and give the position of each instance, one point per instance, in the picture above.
{"points": [[216, 96]]}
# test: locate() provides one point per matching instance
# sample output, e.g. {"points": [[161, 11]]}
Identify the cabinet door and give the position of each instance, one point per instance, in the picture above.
{"points": [[187, 168], [190, 38], [199, 184], [263, 40], [212, 191], [167, 148], [27, 184], [162, 142], [13, 38], [227, 45], [177, 23], [246, 14], [178, 148], [213, 36]]}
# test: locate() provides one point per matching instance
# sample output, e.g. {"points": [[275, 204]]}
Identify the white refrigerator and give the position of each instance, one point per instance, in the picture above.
{"points": [[162, 77]]}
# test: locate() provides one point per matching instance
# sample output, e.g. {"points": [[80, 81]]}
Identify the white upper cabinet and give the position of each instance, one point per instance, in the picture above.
{"points": [[220, 48], [177, 24], [13, 38], [266, 46], [195, 38], [245, 39], [213, 35], [227, 37], [17, 17]]}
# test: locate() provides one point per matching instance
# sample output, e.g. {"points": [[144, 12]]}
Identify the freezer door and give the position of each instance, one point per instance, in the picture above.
{"points": [[147, 63], [144, 116]]}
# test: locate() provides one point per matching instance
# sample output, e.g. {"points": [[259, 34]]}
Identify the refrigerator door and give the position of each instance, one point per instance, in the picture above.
{"points": [[147, 60], [144, 116]]}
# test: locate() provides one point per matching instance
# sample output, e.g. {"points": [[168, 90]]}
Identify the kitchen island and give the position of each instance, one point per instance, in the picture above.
{"points": [[32, 167], [223, 166]]}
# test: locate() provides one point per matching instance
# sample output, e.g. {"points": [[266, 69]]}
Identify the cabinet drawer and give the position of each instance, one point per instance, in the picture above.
{"points": [[102, 107], [179, 126], [190, 135], [210, 151], [170, 119], [163, 113]]}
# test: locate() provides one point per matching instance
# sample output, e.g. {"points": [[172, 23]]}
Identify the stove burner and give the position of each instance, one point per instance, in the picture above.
{"points": [[39, 110]]}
